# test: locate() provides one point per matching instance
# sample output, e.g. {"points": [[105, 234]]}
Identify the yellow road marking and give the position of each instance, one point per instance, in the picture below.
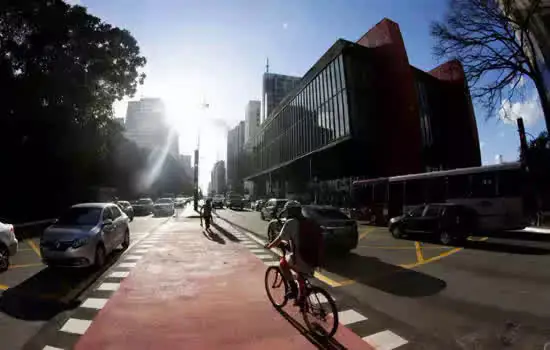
{"points": [[327, 280], [419, 256], [398, 248], [365, 232], [435, 258], [34, 247], [24, 265], [3, 287]]}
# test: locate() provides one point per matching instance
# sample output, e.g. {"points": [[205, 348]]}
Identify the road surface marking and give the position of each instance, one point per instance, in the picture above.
{"points": [[385, 340], [435, 258], [419, 256], [94, 303], [350, 316], [365, 232], [128, 264], [109, 286], [257, 250], [76, 326], [140, 251], [3, 287], [271, 263], [47, 347], [132, 257], [400, 248], [34, 247], [264, 256], [24, 265], [119, 274]]}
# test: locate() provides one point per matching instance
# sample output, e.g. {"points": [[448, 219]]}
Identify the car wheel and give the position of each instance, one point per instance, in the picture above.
{"points": [[397, 232], [126, 241], [445, 238], [4, 258], [99, 256]]}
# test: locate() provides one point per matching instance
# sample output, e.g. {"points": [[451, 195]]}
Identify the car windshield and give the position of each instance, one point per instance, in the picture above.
{"points": [[145, 201], [281, 202], [328, 213], [164, 201], [80, 217]]}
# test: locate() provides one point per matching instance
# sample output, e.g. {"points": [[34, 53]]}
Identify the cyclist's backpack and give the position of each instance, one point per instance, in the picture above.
{"points": [[311, 242]]}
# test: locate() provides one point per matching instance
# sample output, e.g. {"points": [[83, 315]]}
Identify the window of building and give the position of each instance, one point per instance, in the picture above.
{"points": [[337, 117], [346, 112], [342, 72]]}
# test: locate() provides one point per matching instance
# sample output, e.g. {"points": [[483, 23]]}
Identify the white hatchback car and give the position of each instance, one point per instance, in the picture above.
{"points": [[8, 245]]}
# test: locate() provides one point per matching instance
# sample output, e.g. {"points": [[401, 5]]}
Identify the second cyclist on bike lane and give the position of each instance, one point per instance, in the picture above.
{"points": [[306, 245]]}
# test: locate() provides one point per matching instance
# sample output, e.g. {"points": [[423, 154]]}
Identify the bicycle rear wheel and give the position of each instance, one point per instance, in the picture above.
{"points": [[320, 313], [275, 286]]}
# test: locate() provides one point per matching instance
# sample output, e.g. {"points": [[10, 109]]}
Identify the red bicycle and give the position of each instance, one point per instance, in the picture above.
{"points": [[316, 305]]}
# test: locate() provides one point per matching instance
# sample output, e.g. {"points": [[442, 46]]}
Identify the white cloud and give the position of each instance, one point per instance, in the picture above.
{"points": [[285, 25], [73, 2], [481, 145], [529, 110]]}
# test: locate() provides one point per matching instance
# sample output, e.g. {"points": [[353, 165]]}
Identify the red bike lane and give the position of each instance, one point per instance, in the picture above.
{"points": [[190, 291]]}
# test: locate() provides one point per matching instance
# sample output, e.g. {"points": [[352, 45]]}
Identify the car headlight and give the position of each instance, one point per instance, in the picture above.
{"points": [[77, 243]]}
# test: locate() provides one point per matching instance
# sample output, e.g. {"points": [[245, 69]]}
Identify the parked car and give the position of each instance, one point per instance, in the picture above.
{"points": [[272, 208], [179, 202], [234, 201], [217, 202], [143, 206], [8, 245], [127, 208], [164, 206], [340, 233], [85, 235], [450, 222], [258, 205]]}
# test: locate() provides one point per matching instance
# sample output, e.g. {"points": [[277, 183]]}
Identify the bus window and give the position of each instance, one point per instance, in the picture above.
{"points": [[414, 192], [379, 194], [483, 185], [458, 186], [435, 190], [509, 183]]}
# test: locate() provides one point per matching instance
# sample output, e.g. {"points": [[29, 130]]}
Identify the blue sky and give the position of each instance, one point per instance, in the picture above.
{"points": [[215, 50]]}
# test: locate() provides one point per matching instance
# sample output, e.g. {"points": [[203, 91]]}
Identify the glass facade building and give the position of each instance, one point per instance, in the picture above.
{"points": [[309, 119]]}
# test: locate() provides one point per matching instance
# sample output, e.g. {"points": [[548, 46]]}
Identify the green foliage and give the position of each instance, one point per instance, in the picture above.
{"points": [[61, 69]]}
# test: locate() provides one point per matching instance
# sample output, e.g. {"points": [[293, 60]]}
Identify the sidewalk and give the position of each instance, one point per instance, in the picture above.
{"points": [[189, 291]]}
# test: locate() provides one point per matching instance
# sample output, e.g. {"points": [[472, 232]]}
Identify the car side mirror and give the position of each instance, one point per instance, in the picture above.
{"points": [[107, 222]]}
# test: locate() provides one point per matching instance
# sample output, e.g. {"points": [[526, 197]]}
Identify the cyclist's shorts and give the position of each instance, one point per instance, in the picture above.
{"points": [[298, 264]]}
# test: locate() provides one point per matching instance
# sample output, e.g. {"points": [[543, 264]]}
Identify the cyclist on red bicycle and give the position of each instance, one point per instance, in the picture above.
{"points": [[305, 238]]}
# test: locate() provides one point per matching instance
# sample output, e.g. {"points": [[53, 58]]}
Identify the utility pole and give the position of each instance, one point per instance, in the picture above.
{"points": [[196, 172]]}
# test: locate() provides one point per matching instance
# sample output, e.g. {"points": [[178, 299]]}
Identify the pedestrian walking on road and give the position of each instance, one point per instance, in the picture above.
{"points": [[206, 212]]}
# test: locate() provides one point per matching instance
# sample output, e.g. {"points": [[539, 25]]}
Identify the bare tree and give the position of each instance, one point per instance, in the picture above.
{"points": [[494, 42]]}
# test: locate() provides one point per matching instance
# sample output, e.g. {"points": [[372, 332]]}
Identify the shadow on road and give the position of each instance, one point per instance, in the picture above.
{"points": [[328, 344], [213, 236], [239, 227], [385, 277], [50, 291], [490, 246], [226, 233]]}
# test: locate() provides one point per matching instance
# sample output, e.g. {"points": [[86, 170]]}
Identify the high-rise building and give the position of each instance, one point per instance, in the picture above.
{"points": [[235, 157], [274, 89], [252, 120], [146, 125], [185, 160], [217, 178], [363, 111], [119, 121]]}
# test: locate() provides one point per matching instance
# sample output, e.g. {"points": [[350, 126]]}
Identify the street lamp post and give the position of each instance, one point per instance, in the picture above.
{"points": [[196, 172]]}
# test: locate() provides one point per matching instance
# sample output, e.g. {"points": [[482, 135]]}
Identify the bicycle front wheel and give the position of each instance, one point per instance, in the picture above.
{"points": [[320, 313], [275, 286]]}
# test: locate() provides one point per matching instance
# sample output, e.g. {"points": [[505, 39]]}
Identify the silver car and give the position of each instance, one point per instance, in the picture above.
{"points": [[85, 235], [8, 245]]}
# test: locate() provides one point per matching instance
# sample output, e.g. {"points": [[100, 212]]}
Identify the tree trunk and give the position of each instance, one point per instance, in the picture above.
{"points": [[544, 103]]}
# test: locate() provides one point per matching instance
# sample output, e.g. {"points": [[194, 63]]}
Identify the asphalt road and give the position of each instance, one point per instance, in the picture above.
{"points": [[31, 294], [490, 293]]}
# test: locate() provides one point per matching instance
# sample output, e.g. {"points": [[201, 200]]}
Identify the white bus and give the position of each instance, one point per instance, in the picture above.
{"points": [[498, 193]]}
